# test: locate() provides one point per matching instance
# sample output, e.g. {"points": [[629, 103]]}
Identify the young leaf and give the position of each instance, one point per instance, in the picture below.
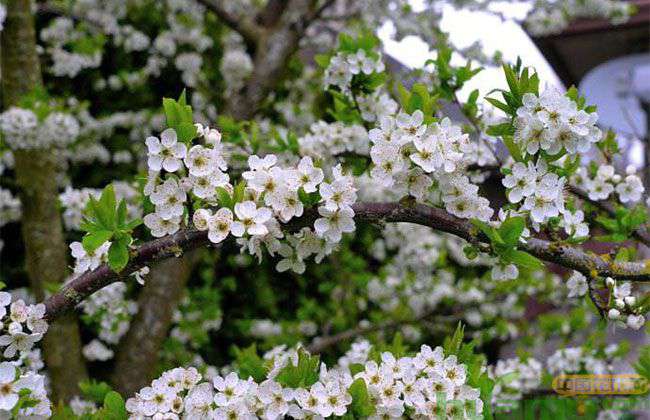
{"points": [[523, 260], [250, 364], [511, 229], [118, 254], [95, 239], [302, 375], [114, 406], [362, 405]]}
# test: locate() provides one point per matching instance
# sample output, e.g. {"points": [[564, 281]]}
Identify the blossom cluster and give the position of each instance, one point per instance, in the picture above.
{"points": [[552, 123], [527, 378], [606, 181], [22, 129], [28, 386], [271, 195], [326, 140], [111, 312], [75, 47], [21, 327], [578, 359], [417, 384], [552, 17], [236, 66], [623, 309], [344, 66], [61, 32], [410, 155]]}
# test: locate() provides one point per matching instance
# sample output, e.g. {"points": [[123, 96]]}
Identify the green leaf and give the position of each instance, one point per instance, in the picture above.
{"points": [[511, 230], [523, 259], [114, 406], [172, 112], [224, 198], [118, 254], [238, 193], [489, 231], [132, 224], [452, 344], [121, 214], [302, 375], [498, 130], [498, 104], [186, 132], [513, 148], [94, 240], [94, 390], [362, 405], [106, 205], [323, 60], [249, 363]]}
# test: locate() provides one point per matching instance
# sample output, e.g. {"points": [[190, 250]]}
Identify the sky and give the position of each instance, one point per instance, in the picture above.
{"points": [[464, 28]]}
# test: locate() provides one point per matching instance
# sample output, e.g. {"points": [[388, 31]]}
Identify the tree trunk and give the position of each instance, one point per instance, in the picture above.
{"points": [[45, 247], [137, 355]]}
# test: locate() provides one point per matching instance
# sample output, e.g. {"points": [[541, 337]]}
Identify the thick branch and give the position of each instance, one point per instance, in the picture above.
{"points": [[173, 245], [240, 24], [138, 353]]}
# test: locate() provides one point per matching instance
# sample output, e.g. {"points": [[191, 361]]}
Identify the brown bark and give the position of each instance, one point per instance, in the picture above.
{"points": [[45, 247], [138, 353]]}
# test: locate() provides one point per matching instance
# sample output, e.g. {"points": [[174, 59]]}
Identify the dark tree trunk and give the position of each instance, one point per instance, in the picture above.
{"points": [[45, 247]]}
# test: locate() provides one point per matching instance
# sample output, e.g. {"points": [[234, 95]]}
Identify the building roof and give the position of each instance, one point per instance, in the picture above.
{"points": [[589, 42]]}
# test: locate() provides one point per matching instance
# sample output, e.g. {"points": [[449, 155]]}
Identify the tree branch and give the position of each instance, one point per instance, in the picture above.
{"points": [[567, 256], [320, 344], [245, 26], [641, 234], [138, 353]]}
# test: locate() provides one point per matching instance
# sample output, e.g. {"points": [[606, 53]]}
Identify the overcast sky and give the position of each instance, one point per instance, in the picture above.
{"points": [[466, 27]]}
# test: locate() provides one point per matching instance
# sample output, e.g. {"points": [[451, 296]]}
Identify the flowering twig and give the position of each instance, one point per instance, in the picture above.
{"points": [[173, 245]]}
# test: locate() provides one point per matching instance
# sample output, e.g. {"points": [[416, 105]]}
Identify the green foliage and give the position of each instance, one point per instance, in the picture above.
{"points": [[113, 408], [505, 239], [249, 363], [452, 78], [106, 220], [94, 390], [180, 118], [302, 375], [642, 366], [344, 110], [580, 101], [366, 41], [465, 353], [608, 144], [418, 97], [362, 405], [520, 82], [623, 224]]}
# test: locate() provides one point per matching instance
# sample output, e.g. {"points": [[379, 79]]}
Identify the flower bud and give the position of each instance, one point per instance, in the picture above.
{"points": [[610, 282], [613, 314], [630, 300]]}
